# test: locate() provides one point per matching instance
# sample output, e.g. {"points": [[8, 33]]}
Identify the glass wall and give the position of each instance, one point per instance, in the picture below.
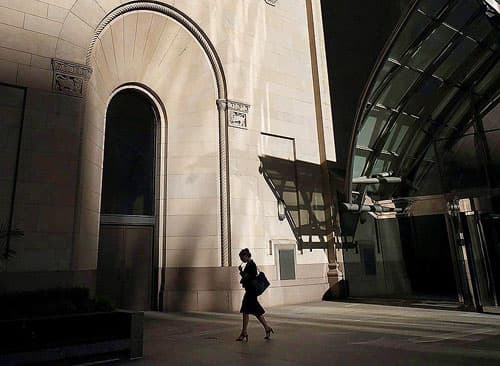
{"points": [[441, 71]]}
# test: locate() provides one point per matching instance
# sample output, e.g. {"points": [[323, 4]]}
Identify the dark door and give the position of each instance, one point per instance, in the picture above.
{"points": [[125, 265]]}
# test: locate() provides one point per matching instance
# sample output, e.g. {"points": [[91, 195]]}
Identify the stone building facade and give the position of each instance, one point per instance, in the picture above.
{"points": [[230, 81]]}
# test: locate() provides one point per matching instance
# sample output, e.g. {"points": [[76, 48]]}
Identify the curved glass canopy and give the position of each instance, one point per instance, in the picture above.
{"points": [[429, 98]]}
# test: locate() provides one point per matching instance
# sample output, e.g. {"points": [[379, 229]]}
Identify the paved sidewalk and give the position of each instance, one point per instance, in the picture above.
{"points": [[326, 333]]}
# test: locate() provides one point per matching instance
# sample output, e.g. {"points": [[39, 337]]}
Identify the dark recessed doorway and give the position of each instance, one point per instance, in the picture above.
{"points": [[126, 237]]}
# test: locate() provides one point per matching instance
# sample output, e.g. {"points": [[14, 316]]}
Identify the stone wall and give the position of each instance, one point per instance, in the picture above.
{"points": [[265, 53]]}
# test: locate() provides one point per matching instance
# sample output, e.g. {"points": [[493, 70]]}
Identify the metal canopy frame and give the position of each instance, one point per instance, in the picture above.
{"points": [[441, 98]]}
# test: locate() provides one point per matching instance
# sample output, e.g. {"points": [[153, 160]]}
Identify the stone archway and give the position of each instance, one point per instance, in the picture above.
{"points": [[176, 61]]}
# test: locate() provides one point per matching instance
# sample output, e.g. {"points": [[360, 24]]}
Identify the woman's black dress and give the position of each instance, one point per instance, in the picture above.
{"points": [[250, 304]]}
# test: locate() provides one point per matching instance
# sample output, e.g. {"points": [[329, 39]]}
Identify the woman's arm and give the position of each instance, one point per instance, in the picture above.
{"points": [[252, 270]]}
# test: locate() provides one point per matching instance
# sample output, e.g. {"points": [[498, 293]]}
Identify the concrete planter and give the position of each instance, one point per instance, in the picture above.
{"points": [[79, 337]]}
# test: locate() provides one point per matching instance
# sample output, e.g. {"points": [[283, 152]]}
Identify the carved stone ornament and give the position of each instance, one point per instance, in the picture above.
{"points": [[271, 2], [237, 112], [70, 78]]}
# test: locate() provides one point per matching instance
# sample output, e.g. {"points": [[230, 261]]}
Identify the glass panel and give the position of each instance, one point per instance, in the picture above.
{"points": [[431, 47], [416, 144], [491, 79], [413, 29], [477, 63], [450, 93], [431, 7], [398, 133], [424, 96], [129, 156], [11, 113], [456, 58], [457, 116], [479, 29], [461, 13], [386, 69], [359, 165], [428, 177], [398, 87], [373, 125], [381, 165]]}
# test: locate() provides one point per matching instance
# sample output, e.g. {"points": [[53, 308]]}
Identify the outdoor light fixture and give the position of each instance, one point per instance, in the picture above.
{"points": [[281, 210]]}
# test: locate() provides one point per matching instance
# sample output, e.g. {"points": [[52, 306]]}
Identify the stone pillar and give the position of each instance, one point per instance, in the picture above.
{"points": [[334, 274]]}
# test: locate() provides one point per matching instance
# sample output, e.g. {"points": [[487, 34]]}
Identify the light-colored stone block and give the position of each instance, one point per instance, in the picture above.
{"points": [[109, 5], [34, 7], [11, 17], [7, 54], [57, 14], [89, 11], [42, 25], [66, 4], [76, 31], [41, 62], [27, 41], [70, 52]]}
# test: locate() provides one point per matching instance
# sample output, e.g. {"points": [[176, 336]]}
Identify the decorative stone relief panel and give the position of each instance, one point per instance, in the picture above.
{"points": [[237, 112], [70, 78], [271, 2]]}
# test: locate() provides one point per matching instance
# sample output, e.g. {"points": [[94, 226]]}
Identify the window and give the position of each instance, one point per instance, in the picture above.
{"points": [[287, 264], [129, 155]]}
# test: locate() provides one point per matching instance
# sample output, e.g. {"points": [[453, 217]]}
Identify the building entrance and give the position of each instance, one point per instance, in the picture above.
{"points": [[127, 228]]}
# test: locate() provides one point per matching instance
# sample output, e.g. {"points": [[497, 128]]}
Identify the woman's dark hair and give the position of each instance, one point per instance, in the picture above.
{"points": [[245, 252]]}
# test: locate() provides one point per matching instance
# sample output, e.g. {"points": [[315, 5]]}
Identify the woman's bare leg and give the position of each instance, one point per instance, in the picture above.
{"points": [[264, 323], [245, 324]]}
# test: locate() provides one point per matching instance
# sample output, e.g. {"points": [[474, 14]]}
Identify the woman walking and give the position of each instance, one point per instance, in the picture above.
{"points": [[250, 304]]}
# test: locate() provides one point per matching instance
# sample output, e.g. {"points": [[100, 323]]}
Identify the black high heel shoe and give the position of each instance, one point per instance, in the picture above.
{"points": [[242, 338], [268, 333]]}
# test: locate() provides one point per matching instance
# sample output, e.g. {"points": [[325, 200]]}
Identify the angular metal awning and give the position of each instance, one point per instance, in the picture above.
{"points": [[439, 71]]}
